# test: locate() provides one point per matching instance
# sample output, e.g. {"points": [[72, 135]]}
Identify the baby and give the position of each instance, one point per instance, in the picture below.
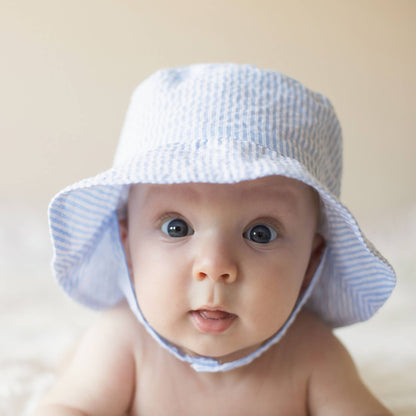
{"points": [[222, 255]]}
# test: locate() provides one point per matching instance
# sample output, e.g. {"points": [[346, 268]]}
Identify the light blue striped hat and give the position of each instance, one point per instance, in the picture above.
{"points": [[219, 123]]}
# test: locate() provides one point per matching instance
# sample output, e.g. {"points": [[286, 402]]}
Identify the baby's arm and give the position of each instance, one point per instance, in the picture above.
{"points": [[335, 386], [99, 380]]}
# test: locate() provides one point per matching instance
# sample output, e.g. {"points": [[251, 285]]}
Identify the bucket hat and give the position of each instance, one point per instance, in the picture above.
{"points": [[219, 123]]}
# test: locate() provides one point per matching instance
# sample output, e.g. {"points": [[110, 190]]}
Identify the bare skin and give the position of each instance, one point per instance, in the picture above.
{"points": [[307, 373], [217, 270]]}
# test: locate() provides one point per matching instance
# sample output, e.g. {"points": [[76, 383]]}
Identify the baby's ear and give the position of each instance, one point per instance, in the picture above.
{"points": [[318, 247], [124, 238]]}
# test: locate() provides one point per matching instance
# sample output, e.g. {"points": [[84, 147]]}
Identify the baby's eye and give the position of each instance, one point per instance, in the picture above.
{"points": [[260, 233], [176, 228]]}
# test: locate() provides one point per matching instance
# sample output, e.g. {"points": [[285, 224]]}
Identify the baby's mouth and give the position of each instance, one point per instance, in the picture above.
{"points": [[212, 321], [215, 315]]}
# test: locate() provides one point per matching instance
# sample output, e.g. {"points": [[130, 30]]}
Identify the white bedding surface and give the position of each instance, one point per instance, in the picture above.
{"points": [[38, 323]]}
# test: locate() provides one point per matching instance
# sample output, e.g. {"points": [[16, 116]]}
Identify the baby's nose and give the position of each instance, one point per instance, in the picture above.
{"points": [[215, 261], [216, 277]]}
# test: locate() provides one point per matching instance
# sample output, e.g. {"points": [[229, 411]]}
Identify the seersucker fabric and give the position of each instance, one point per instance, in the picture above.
{"points": [[219, 123]]}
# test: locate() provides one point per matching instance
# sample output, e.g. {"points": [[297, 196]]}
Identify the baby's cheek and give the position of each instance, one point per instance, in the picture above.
{"points": [[275, 297], [153, 298], [151, 310]]}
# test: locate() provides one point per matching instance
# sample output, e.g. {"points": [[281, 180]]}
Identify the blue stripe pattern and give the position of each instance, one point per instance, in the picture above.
{"points": [[219, 123]]}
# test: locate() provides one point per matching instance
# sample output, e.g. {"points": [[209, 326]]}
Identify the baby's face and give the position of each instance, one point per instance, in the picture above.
{"points": [[217, 269]]}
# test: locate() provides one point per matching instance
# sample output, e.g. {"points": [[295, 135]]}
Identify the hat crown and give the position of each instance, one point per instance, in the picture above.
{"points": [[239, 103]]}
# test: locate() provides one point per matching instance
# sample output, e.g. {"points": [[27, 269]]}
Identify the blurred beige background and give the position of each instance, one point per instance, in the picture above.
{"points": [[68, 68]]}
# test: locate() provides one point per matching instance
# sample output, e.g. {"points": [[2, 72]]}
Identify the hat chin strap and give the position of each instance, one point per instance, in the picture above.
{"points": [[207, 364]]}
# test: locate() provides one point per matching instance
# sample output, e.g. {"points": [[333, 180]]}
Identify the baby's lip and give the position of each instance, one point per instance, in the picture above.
{"points": [[213, 321], [215, 315], [214, 312]]}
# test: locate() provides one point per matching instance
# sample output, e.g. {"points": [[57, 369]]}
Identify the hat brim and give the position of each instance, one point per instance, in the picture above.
{"points": [[88, 258]]}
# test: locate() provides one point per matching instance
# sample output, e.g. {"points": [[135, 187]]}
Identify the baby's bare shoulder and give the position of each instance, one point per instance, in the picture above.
{"points": [[115, 328], [119, 332], [334, 385], [100, 377]]}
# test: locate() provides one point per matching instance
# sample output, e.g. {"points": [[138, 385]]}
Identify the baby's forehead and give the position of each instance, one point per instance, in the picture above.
{"points": [[277, 188]]}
